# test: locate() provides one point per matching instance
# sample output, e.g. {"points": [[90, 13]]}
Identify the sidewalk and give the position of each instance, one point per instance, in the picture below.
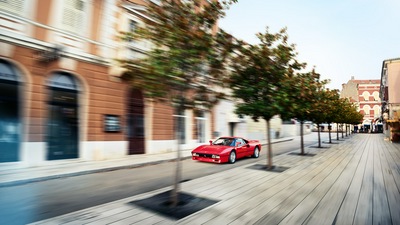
{"points": [[11, 176], [356, 181]]}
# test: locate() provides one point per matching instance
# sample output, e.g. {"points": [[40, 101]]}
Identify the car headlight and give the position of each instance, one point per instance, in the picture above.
{"points": [[195, 154], [215, 156]]}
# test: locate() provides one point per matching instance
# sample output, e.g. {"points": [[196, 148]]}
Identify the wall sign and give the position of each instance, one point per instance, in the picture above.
{"points": [[112, 123]]}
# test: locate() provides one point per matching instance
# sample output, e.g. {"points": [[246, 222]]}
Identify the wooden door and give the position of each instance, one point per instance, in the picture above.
{"points": [[136, 137]]}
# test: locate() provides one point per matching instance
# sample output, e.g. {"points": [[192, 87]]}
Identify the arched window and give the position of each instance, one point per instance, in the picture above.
{"points": [[367, 110], [365, 94], [8, 73], [63, 80], [377, 111], [376, 96]]}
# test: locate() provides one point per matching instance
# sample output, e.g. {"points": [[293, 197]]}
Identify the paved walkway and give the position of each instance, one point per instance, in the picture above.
{"points": [[354, 182]]}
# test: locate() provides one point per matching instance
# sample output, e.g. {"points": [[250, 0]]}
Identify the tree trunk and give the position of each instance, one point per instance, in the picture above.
{"points": [[301, 138], [319, 136], [337, 131], [329, 129], [342, 131], [269, 155], [346, 130], [178, 170]]}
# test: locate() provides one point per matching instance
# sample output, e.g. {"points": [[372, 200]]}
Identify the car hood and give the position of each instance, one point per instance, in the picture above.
{"points": [[211, 149]]}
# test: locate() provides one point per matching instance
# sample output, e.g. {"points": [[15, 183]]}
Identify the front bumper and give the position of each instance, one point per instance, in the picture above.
{"points": [[206, 159]]}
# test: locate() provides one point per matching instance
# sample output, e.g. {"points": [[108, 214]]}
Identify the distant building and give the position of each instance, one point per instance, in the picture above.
{"points": [[390, 95], [365, 95]]}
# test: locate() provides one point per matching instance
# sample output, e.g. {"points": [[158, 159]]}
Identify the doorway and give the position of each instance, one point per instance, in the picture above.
{"points": [[232, 126], [10, 119], [63, 121], [135, 122]]}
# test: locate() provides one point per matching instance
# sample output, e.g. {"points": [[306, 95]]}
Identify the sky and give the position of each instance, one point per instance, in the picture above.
{"points": [[340, 38]]}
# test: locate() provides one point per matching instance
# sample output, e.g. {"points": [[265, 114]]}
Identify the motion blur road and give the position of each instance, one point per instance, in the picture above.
{"points": [[41, 200]]}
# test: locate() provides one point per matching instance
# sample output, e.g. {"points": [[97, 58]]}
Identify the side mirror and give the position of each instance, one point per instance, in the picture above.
{"points": [[210, 142], [248, 145]]}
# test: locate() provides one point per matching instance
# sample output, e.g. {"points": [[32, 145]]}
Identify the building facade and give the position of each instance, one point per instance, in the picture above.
{"points": [[61, 96], [390, 95], [365, 95], [55, 70], [160, 120]]}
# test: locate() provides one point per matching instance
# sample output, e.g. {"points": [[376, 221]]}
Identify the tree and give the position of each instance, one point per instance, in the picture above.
{"points": [[303, 89], [341, 105], [348, 114], [186, 58], [258, 79], [333, 109], [318, 110], [355, 117]]}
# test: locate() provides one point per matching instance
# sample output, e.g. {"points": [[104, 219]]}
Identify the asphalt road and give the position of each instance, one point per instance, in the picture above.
{"points": [[41, 200]]}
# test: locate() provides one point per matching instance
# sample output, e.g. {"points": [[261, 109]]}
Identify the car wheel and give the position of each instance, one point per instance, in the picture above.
{"points": [[256, 153], [232, 157]]}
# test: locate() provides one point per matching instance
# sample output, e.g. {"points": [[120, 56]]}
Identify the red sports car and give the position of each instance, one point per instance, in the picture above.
{"points": [[227, 149]]}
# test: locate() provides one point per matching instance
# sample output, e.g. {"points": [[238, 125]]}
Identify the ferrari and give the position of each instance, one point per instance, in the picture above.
{"points": [[227, 149]]}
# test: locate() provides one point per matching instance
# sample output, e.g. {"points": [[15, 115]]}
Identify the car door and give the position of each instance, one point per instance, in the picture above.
{"points": [[249, 149], [240, 148]]}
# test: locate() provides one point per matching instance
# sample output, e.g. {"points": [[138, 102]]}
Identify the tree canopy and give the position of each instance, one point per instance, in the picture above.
{"points": [[188, 53], [259, 76], [260, 73]]}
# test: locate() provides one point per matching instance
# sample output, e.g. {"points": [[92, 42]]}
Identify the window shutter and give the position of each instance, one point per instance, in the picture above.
{"points": [[13, 6], [73, 15]]}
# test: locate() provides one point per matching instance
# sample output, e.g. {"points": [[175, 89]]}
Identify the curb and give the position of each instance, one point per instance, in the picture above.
{"points": [[85, 172], [278, 141]]}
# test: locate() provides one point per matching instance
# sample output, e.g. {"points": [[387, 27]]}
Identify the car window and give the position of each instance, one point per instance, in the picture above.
{"points": [[239, 142], [231, 142], [224, 141]]}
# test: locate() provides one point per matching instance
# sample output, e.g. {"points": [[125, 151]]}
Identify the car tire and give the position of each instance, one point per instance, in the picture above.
{"points": [[232, 157], [256, 153]]}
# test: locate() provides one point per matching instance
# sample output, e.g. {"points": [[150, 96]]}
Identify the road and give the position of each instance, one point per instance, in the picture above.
{"points": [[41, 200]]}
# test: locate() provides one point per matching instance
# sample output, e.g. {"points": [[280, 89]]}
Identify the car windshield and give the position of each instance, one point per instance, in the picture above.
{"points": [[225, 141]]}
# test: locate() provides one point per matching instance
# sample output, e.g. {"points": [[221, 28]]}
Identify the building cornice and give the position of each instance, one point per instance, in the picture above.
{"points": [[390, 60], [43, 46]]}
